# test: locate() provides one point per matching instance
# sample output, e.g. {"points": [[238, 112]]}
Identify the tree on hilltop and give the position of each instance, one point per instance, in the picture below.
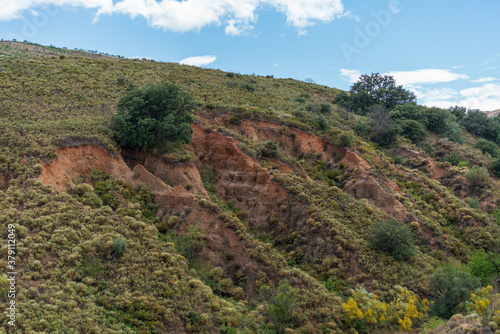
{"points": [[375, 89], [151, 115]]}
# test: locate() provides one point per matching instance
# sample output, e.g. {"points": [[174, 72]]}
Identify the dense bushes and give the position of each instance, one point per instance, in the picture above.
{"points": [[479, 124], [148, 116], [452, 288], [270, 149], [367, 311], [118, 247], [412, 130], [393, 237], [487, 146], [279, 305], [477, 176], [485, 266]]}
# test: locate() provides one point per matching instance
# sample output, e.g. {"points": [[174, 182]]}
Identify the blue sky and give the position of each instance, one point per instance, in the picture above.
{"points": [[447, 51]]}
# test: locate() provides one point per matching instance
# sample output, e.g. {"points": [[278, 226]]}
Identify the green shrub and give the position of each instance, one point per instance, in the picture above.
{"points": [[454, 158], [474, 203], [248, 87], [412, 130], [279, 305], [325, 108], [487, 146], [495, 167], [151, 115], [270, 149], [320, 123], [235, 120], [454, 133], [118, 247], [452, 287], [393, 237], [209, 176], [477, 176], [485, 266], [228, 330], [346, 139]]}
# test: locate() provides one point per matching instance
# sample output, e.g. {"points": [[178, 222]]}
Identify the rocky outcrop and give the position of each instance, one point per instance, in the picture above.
{"points": [[77, 161], [183, 174], [241, 179], [291, 140], [370, 189]]}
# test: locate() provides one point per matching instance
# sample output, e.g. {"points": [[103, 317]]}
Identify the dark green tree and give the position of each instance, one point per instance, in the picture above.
{"points": [[485, 266], [393, 237], [487, 146], [459, 113], [279, 305], [452, 287], [149, 116], [377, 89], [454, 133], [495, 167], [412, 130], [479, 124], [437, 119], [409, 111]]}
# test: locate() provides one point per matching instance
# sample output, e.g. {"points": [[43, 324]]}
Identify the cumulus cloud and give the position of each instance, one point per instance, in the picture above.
{"points": [[198, 60], [487, 79], [238, 16], [485, 97], [425, 76], [351, 76], [411, 78]]}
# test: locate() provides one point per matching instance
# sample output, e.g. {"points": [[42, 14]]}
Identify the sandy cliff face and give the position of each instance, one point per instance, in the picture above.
{"points": [[242, 181]]}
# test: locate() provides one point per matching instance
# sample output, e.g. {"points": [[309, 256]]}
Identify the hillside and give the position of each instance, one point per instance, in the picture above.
{"points": [[216, 231], [493, 113]]}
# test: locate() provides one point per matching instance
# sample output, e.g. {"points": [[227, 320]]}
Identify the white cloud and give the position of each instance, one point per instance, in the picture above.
{"points": [[411, 78], [276, 65], [351, 76], [198, 60], [303, 13], [486, 97], [487, 90], [486, 79], [425, 76], [238, 16]]}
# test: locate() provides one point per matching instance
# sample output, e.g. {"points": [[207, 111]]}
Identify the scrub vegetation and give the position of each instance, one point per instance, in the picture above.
{"points": [[309, 209]]}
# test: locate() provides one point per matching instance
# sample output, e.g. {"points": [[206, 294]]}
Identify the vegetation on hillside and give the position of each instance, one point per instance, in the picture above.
{"points": [[101, 256]]}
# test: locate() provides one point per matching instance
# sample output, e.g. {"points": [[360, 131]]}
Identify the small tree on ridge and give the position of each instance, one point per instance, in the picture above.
{"points": [[153, 114]]}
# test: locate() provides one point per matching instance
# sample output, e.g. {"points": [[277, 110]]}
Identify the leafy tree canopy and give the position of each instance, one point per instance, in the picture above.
{"points": [[150, 115], [479, 124], [377, 89]]}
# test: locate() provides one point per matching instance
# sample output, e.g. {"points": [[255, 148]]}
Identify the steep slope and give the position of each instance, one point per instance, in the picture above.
{"points": [[210, 225]]}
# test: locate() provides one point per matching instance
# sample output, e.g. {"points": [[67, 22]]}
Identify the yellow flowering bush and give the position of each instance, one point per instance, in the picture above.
{"points": [[405, 309], [485, 303]]}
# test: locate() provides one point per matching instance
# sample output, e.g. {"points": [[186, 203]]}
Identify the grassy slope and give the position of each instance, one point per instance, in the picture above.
{"points": [[53, 101]]}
